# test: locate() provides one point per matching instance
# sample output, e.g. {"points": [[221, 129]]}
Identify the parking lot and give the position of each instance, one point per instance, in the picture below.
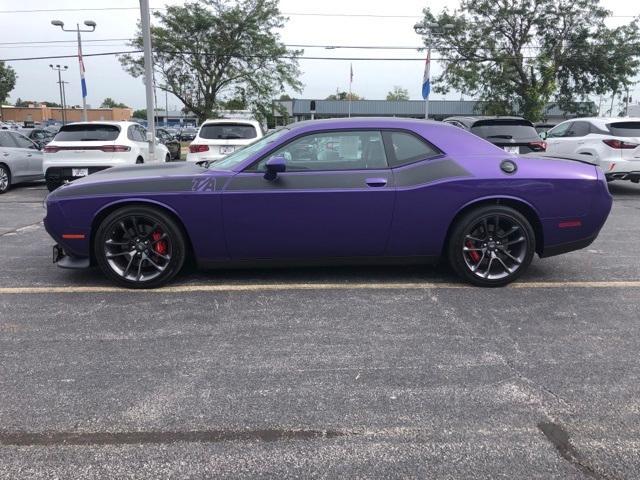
{"points": [[324, 372]]}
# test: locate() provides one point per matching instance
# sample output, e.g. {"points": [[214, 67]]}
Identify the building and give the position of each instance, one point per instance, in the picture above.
{"points": [[300, 109], [44, 114]]}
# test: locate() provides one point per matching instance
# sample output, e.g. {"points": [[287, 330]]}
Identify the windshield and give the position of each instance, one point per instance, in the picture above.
{"points": [[504, 129], [241, 155], [227, 131], [87, 133]]}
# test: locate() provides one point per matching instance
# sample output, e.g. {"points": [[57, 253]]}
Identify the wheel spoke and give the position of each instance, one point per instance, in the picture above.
{"points": [[124, 229], [474, 239], [496, 227], [503, 264], [488, 271], [120, 254], [112, 242], [157, 267], [162, 237], [513, 230], [139, 275], [512, 242], [485, 225], [126, 270], [467, 249], [477, 265], [511, 256]]}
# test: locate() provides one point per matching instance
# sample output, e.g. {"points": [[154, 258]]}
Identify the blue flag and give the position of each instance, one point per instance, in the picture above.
{"points": [[426, 79]]}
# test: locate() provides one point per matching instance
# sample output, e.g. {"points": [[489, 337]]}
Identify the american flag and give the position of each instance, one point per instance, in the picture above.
{"points": [[82, 81]]}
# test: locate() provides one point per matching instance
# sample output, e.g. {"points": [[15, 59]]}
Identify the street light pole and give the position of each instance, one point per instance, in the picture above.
{"points": [[60, 69], [148, 73], [78, 30]]}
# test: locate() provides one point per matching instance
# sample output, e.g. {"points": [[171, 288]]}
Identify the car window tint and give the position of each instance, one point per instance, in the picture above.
{"points": [[578, 129], [20, 141], [504, 129], [625, 129], [560, 130], [142, 134], [333, 151], [408, 148], [227, 131], [87, 132]]}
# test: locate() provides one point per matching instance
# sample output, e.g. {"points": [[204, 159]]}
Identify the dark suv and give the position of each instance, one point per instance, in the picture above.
{"points": [[513, 134]]}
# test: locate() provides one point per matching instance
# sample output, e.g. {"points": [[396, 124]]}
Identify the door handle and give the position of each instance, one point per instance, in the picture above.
{"points": [[29, 155], [376, 182], [5, 154]]}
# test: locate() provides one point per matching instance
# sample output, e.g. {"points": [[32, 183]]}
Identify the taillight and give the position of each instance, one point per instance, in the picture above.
{"points": [[198, 148], [619, 144], [50, 149], [115, 148], [538, 146]]}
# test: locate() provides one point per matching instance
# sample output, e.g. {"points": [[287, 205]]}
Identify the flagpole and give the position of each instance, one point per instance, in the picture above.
{"points": [[350, 82], [426, 100]]}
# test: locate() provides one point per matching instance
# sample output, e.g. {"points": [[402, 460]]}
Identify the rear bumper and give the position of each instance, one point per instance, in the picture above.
{"points": [[634, 176], [553, 250], [62, 174], [204, 157]]}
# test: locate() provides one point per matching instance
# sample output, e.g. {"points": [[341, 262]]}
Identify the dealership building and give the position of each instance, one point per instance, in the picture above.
{"points": [[296, 110]]}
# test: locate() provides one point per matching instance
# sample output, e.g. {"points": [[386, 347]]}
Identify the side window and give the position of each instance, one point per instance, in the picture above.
{"points": [[131, 133], [408, 148], [560, 130], [20, 141], [142, 134], [5, 140], [579, 129], [357, 150]]}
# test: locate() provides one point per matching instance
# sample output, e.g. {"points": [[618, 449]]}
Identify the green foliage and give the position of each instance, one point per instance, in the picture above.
{"points": [[518, 55], [111, 103], [26, 103], [142, 113], [7, 81], [398, 94], [205, 51], [344, 96]]}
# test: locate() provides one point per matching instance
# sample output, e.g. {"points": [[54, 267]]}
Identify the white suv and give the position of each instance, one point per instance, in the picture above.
{"points": [[82, 148], [611, 143], [218, 138]]}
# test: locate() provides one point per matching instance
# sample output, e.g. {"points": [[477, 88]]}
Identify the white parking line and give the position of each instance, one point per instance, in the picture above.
{"points": [[262, 287]]}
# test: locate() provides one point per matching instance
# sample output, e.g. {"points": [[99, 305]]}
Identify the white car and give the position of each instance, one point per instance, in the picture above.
{"points": [[218, 138], [611, 143], [82, 148]]}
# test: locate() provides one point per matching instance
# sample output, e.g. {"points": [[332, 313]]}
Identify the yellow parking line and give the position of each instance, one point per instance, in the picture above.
{"points": [[262, 287]]}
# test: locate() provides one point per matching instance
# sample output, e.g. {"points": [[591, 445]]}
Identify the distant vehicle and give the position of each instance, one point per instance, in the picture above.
{"points": [[83, 148], [512, 134], [611, 143], [169, 141], [38, 135], [20, 160], [218, 138], [187, 134], [328, 192]]}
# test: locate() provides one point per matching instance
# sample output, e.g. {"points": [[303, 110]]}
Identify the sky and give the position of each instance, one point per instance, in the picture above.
{"points": [[390, 24]]}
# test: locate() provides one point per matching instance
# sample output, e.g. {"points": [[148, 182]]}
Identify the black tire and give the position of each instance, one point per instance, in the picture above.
{"points": [[139, 161], [167, 158], [473, 243], [120, 248], [5, 179], [53, 184]]}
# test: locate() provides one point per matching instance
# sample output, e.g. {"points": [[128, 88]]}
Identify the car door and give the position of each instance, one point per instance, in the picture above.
{"points": [[335, 200], [557, 141], [16, 158], [575, 137], [28, 150]]}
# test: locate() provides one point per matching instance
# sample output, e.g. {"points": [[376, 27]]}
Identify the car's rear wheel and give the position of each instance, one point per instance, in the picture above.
{"points": [[139, 247], [491, 246], [167, 158], [5, 179]]}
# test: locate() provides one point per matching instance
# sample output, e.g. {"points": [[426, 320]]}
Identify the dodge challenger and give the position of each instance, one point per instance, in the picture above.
{"points": [[339, 191]]}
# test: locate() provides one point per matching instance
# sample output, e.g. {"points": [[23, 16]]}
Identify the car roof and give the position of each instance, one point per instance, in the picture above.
{"points": [[255, 123]]}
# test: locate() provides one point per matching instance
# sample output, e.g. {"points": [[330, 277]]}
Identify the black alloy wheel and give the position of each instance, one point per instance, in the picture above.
{"points": [[491, 246], [139, 247], [5, 179]]}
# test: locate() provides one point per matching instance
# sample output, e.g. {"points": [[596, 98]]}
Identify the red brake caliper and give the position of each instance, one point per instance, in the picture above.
{"points": [[475, 256], [160, 247]]}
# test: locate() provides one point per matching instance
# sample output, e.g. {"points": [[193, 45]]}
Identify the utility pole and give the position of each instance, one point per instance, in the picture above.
{"points": [[148, 73], [626, 103], [64, 103], [83, 84], [60, 69]]}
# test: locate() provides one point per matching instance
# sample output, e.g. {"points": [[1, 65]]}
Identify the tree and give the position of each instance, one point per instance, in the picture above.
{"points": [[142, 113], [7, 81], [111, 103], [517, 55], [204, 51], [344, 96], [398, 94]]}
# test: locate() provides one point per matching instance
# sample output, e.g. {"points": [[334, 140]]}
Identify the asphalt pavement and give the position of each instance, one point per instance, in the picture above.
{"points": [[321, 373]]}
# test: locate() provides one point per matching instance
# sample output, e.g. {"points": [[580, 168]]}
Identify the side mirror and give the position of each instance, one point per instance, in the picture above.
{"points": [[275, 165], [543, 135]]}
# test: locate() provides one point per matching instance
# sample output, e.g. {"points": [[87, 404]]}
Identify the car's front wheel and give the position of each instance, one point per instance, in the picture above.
{"points": [[5, 179], [139, 247], [491, 246]]}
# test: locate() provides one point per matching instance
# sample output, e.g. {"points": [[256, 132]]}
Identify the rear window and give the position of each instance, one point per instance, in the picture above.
{"points": [[227, 131], [87, 133], [625, 129], [504, 129]]}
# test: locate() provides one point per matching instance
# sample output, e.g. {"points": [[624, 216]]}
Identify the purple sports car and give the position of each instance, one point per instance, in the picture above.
{"points": [[333, 191]]}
